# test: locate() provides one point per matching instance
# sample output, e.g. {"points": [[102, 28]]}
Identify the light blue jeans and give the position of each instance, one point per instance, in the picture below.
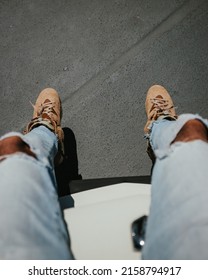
{"points": [[177, 226], [31, 221]]}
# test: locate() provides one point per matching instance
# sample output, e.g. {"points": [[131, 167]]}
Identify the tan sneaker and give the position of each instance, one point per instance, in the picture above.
{"points": [[48, 112], [158, 105]]}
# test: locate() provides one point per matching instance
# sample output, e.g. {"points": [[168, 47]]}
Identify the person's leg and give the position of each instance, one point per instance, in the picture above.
{"points": [[177, 224], [31, 222]]}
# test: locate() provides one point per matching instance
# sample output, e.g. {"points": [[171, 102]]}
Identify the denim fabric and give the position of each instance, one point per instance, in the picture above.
{"points": [[177, 226], [31, 221]]}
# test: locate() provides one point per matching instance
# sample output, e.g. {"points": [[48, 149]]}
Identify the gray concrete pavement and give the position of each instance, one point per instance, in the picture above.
{"points": [[102, 56]]}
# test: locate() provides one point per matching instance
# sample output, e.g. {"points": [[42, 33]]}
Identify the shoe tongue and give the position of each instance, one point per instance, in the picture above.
{"points": [[45, 116], [159, 96], [46, 101]]}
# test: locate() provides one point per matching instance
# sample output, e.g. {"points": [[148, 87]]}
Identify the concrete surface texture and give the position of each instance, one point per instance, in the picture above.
{"points": [[102, 56]]}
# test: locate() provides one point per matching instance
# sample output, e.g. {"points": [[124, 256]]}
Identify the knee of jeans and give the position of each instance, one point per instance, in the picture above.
{"points": [[163, 132], [14, 144]]}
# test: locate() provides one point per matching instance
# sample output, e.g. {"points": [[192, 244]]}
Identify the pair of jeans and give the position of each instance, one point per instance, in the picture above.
{"points": [[31, 220], [177, 226]]}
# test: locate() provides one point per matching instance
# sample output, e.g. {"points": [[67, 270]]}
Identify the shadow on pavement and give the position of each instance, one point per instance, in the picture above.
{"points": [[68, 170]]}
